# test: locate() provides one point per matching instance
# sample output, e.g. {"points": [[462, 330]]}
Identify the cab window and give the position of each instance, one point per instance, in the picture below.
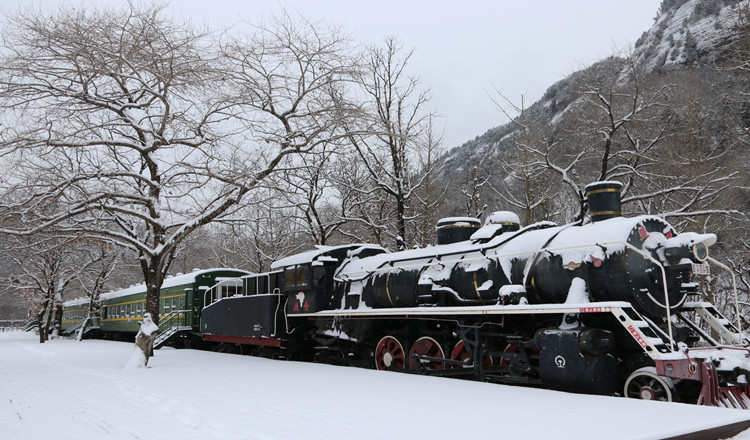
{"points": [[301, 276], [290, 276], [296, 276]]}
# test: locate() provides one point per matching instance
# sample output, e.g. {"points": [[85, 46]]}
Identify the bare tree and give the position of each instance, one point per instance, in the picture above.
{"points": [[100, 262], [624, 129], [131, 129], [398, 129], [429, 201], [528, 187], [313, 201], [368, 214], [46, 265], [264, 231]]}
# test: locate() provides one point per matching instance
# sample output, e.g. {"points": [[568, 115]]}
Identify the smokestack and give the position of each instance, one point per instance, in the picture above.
{"points": [[604, 200], [455, 229]]}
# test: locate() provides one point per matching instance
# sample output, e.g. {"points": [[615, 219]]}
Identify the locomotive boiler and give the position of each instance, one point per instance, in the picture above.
{"points": [[608, 306], [610, 259]]}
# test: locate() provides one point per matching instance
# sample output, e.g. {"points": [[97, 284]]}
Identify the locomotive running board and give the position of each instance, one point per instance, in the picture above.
{"points": [[600, 307], [648, 336]]}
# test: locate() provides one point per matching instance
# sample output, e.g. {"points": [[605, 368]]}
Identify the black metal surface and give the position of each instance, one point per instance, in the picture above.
{"points": [[248, 316], [563, 366], [604, 200], [455, 230]]}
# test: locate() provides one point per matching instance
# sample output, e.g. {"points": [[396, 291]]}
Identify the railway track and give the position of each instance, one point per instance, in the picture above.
{"points": [[716, 433]]}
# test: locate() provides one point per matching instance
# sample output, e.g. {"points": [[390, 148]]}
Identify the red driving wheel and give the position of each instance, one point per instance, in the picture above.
{"points": [[389, 354], [460, 353], [426, 346]]}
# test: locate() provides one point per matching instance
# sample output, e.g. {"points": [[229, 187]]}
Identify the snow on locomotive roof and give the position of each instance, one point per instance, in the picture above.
{"points": [[494, 223], [360, 268], [574, 244], [446, 221], [317, 253], [577, 244], [502, 217], [171, 281], [602, 182]]}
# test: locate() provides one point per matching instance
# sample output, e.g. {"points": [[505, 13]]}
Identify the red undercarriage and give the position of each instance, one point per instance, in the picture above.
{"points": [[712, 394], [268, 342]]}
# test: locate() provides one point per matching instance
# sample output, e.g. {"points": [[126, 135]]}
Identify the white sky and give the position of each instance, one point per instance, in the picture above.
{"points": [[464, 49]]}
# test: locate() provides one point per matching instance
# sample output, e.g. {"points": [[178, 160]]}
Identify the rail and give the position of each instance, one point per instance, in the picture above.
{"points": [[736, 299], [225, 287], [176, 318]]}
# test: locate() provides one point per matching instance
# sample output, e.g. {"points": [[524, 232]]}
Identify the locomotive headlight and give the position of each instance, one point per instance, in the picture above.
{"points": [[700, 251], [688, 245]]}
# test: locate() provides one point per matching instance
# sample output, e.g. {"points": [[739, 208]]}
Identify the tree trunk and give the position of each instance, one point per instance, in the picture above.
{"points": [[401, 214], [87, 320], [40, 324], [58, 317], [82, 330], [48, 323], [144, 340], [152, 274]]}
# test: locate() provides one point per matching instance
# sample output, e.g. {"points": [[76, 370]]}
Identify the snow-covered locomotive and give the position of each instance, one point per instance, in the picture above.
{"points": [[607, 307]]}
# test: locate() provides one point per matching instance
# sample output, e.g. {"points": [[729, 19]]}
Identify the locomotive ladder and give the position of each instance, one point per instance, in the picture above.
{"points": [[720, 325], [71, 332], [170, 325]]}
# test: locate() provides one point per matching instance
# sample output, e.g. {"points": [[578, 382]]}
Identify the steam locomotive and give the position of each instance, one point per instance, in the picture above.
{"points": [[608, 307]]}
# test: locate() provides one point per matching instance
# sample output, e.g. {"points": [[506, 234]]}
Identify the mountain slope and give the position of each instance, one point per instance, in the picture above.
{"points": [[677, 60]]}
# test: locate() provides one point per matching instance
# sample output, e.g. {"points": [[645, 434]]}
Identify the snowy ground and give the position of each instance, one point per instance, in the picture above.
{"points": [[68, 389]]}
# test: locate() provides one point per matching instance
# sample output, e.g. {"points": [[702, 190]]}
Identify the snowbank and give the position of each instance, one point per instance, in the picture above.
{"points": [[81, 389]]}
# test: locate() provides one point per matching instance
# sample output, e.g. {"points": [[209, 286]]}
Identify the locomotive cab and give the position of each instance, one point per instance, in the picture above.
{"points": [[308, 280]]}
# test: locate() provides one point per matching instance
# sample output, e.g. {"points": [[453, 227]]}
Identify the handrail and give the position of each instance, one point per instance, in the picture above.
{"points": [[734, 286], [257, 283], [168, 318], [213, 289]]}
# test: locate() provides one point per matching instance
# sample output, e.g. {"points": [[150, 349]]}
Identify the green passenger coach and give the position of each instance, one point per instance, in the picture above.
{"points": [[74, 314], [180, 303]]}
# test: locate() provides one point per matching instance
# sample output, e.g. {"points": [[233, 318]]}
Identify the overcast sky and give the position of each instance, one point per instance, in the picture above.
{"points": [[464, 49]]}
